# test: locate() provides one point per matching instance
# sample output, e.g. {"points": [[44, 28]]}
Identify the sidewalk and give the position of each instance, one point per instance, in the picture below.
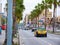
{"points": [[50, 30], [2, 37]]}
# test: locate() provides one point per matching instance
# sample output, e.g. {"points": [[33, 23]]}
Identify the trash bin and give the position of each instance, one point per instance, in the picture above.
{"points": [[0, 29]]}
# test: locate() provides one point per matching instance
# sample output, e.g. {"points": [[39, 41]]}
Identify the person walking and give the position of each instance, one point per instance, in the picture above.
{"points": [[0, 30]]}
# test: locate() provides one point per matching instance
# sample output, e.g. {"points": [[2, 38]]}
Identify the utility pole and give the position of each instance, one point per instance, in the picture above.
{"points": [[9, 23]]}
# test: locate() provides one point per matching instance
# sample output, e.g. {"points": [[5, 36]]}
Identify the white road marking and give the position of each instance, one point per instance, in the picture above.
{"points": [[45, 41]]}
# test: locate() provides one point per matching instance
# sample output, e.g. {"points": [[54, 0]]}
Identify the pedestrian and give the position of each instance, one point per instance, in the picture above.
{"points": [[0, 30]]}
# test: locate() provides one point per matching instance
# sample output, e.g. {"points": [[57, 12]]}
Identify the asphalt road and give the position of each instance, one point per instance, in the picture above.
{"points": [[27, 38]]}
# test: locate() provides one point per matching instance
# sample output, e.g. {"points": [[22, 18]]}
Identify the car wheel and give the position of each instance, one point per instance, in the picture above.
{"points": [[46, 35], [36, 35], [32, 30]]}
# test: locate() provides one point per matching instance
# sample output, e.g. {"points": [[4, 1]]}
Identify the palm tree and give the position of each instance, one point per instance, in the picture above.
{"points": [[54, 14], [35, 13], [46, 6], [39, 8], [17, 15], [55, 3], [19, 7], [18, 10]]}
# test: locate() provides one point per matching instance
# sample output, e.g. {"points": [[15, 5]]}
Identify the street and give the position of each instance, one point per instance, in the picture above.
{"points": [[27, 38]]}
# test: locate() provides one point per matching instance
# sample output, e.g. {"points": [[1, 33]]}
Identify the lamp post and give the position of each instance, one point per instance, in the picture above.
{"points": [[9, 23]]}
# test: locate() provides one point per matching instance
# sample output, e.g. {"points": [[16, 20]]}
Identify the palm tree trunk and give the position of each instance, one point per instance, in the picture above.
{"points": [[38, 21], [14, 28], [45, 17], [54, 16], [32, 23]]}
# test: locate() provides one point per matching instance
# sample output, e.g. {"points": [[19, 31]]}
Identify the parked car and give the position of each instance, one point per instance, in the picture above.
{"points": [[4, 27], [33, 29], [26, 28], [40, 32]]}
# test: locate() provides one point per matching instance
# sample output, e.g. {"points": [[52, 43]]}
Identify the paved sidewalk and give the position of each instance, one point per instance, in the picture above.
{"points": [[2, 37], [50, 30]]}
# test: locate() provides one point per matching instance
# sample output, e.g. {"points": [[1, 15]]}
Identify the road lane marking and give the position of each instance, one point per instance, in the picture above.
{"points": [[42, 38], [45, 41], [21, 41], [54, 37], [38, 39]]}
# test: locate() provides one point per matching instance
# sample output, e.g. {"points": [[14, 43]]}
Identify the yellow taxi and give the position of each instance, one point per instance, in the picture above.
{"points": [[41, 31]]}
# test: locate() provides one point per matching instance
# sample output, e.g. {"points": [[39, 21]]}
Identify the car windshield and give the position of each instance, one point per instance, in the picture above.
{"points": [[41, 28]]}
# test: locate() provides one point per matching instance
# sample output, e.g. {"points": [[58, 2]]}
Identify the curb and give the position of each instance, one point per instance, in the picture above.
{"points": [[56, 33]]}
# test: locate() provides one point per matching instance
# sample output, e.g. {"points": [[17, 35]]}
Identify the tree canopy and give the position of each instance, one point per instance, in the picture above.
{"points": [[44, 5], [19, 9]]}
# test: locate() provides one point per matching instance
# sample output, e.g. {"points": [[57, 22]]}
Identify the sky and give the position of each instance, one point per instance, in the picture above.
{"points": [[29, 6]]}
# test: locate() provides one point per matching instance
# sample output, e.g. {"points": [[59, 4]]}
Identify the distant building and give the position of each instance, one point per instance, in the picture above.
{"points": [[42, 16], [48, 16], [0, 7], [59, 12], [58, 18], [26, 20]]}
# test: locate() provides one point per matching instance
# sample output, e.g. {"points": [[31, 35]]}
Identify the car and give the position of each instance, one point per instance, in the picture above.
{"points": [[26, 28], [40, 32], [33, 29], [3, 27]]}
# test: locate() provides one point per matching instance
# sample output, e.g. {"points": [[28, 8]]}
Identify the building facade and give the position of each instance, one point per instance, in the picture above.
{"points": [[0, 7], [26, 20], [42, 16]]}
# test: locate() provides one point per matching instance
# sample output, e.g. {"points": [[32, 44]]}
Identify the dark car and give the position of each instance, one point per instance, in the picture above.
{"points": [[26, 28], [33, 29]]}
